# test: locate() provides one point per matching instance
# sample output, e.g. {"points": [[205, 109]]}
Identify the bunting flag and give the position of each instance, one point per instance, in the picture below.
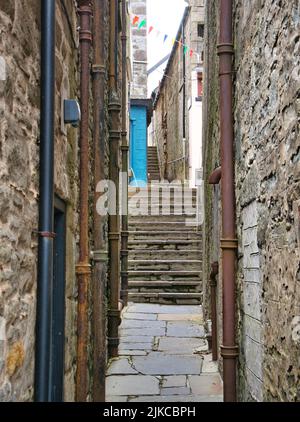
{"points": [[135, 20], [142, 23]]}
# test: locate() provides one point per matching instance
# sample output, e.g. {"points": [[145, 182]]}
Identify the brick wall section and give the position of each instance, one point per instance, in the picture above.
{"points": [[266, 113]]}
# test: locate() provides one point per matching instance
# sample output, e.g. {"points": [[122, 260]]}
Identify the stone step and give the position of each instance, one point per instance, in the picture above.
{"points": [[165, 275], [164, 235], [166, 226], [148, 254], [179, 218], [166, 298], [164, 244], [163, 283], [164, 265]]}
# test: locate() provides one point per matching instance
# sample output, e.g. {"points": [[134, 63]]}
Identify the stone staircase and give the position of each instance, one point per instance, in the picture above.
{"points": [[153, 165], [165, 250]]}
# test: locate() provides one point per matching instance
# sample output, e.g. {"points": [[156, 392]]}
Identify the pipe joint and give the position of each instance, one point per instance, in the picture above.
{"points": [[85, 8], [98, 68], [85, 35], [231, 244], [229, 352], [83, 268], [124, 253], [114, 135], [99, 256], [114, 236], [49, 235], [225, 48]]}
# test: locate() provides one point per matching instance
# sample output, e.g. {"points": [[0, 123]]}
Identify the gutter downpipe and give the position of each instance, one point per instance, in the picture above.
{"points": [[124, 149], [214, 179], [229, 242], [100, 254], [213, 299], [114, 109], [83, 268], [46, 204]]}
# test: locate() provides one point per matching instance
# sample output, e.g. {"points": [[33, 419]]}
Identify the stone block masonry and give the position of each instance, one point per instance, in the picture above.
{"points": [[19, 189], [266, 112]]}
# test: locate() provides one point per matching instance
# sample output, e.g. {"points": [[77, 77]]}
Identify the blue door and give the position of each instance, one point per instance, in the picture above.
{"points": [[138, 145]]}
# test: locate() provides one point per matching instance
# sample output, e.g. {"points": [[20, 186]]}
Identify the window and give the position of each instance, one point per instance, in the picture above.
{"points": [[200, 30]]}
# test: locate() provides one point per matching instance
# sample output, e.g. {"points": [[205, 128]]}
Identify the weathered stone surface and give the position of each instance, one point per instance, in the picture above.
{"points": [[177, 399], [179, 346], [19, 191], [184, 329], [131, 323], [180, 317], [163, 364], [131, 385], [135, 346], [116, 399], [142, 332], [176, 391], [207, 385], [120, 367], [209, 366], [174, 381], [140, 316]]}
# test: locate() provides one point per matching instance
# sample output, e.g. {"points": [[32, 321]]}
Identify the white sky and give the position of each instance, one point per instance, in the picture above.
{"points": [[165, 16]]}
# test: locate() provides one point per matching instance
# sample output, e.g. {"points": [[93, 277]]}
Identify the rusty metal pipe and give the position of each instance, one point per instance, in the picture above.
{"points": [[83, 269], [114, 167], [100, 254], [229, 350], [124, 148], [213, 299]]}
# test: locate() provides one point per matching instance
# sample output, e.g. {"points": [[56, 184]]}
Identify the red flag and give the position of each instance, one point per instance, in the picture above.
{"points": [[135, 20], [191, 53], [150, 29]]}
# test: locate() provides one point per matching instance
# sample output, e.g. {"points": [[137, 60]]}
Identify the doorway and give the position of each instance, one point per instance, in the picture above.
{"points": [[56, 379]]}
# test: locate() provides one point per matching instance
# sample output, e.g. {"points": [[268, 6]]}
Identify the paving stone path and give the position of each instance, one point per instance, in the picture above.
{"points": [[163, 357]]}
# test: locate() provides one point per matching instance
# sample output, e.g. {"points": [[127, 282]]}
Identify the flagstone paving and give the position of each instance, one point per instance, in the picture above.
{"points": [[163, 357]]}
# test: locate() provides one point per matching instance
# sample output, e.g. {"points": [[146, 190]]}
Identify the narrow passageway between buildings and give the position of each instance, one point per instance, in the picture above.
{"points": [[163, 357]]}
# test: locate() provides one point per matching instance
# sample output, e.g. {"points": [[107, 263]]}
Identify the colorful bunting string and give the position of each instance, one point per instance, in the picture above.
{"points": [[142, 23]]}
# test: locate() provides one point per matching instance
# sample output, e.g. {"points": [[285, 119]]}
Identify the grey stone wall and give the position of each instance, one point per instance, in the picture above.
{"points": [[139, 89], [19, 190], [174, 99], [266, 113]]}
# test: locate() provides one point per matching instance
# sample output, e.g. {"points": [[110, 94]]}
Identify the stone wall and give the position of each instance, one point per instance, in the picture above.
{"points": [[266, 113], [174, 100], [19, 189], [139, 89]]}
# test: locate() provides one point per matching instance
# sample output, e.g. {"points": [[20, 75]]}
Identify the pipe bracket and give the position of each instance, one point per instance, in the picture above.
{"points": [[229, 352], [113, 341], [124, 253], [99, 256], [49, 235], [229, 243]]}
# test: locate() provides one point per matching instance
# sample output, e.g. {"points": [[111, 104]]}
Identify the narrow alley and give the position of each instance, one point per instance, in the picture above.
{"points": [[164, 357], [150, 204]]}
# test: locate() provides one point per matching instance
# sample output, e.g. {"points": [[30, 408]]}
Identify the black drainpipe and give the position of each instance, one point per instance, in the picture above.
{"points": [[46, 201]]}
